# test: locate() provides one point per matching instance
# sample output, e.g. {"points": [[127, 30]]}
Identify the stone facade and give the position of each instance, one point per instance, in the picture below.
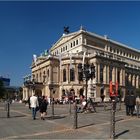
{"points": [[56, 73]]}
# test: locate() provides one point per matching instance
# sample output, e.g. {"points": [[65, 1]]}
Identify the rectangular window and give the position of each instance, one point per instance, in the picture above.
{"points": [[76, 42], [72, 75], [71, 45]]}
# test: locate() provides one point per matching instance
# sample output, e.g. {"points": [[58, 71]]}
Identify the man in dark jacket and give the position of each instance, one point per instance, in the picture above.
{"points": [[126, 101], [132, 103]]}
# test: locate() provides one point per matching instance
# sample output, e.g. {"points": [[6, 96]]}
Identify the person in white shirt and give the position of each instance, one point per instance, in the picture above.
{"points": [[34, 104]]}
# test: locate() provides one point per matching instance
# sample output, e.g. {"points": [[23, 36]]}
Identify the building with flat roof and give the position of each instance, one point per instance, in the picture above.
{"points": [[6, 81], [55, 73]]}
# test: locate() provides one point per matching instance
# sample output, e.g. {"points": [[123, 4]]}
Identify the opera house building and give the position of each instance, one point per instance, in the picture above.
{"points": [[56, 72]]}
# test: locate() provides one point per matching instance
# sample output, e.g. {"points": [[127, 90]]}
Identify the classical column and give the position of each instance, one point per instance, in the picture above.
{"points": [[107, 79], [68, 73], [98, 73], [130, 79], [137, 81], [121, 77], [105, 75], [50, 74], [85, 41], [24, 93], [133, 80], [76, 73], [113, 75], [116, 74]]}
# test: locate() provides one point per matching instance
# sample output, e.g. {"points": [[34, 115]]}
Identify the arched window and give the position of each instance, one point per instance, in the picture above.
{"points": [[72, 74], [101, 73], [37, 77], [40, 76], [64, 75], [126, 79], [76, 42], [110, 73], [44, 76], [118, 76], [47, 73]]}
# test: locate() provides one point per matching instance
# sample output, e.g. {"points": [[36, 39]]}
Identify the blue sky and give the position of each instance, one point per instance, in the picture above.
{"points": [[28, 28]]}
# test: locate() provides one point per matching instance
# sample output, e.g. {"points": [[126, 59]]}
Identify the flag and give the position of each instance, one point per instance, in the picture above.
{"points": [[34, 58], [83, 59]]}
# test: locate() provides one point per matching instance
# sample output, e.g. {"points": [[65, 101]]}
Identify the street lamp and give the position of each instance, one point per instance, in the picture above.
{"points": [[86, 72], [52, 98]]}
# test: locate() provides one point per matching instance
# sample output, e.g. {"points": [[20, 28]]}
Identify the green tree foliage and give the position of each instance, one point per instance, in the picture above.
{"points": [[2, 89]]}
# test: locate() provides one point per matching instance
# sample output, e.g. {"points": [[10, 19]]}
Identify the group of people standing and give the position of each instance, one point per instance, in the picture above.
{"points": [[132, 102], [38, 103]]}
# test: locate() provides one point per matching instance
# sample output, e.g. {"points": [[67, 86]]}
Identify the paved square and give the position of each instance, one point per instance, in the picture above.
{"points": [[90, 125]]}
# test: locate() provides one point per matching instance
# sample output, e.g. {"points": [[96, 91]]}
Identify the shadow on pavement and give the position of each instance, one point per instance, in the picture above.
{"points": [[17, 116], [55, 117], [125, 131], [86, 125], [119, 119]]}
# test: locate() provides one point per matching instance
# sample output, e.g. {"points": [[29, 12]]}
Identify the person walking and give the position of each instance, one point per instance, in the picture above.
{"points": [[34, 104], [137, 105], [126, 102], [43, 107], [132, 103]]}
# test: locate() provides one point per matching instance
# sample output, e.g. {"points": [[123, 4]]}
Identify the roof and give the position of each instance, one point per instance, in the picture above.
{"points": [[112, 41], [70, 35]]}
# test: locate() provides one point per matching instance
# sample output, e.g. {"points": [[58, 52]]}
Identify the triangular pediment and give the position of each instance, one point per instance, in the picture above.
{"points": [[63, 39]]}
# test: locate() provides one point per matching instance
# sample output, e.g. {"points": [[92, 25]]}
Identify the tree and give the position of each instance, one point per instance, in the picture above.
{"points": [[2, 89]]}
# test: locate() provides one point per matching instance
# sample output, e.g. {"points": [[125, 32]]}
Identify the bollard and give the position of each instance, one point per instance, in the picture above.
{"points": [[75, 115], [112, 127], [53, 108], [8, 109], [70, 107]]}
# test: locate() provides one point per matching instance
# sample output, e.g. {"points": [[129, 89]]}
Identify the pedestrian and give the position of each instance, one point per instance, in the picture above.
{"points": [[34, 105], [137, 105], [102, 97], [132, 103], [126, 102], [43, 107]]}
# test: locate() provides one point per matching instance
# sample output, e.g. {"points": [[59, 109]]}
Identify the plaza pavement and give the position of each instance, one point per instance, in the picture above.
{"points": [[90, 125]]}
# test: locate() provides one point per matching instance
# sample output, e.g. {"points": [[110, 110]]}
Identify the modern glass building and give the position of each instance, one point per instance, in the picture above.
{"points": [[6, 81]]}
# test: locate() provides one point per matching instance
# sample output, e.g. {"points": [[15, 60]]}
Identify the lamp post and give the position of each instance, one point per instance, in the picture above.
{"points": [[114, 96], [86, 72], [52, 99], [8, 106]]}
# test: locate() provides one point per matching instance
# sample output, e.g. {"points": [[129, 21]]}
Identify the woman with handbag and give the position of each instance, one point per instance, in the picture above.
{"points": [[43, 107]]}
